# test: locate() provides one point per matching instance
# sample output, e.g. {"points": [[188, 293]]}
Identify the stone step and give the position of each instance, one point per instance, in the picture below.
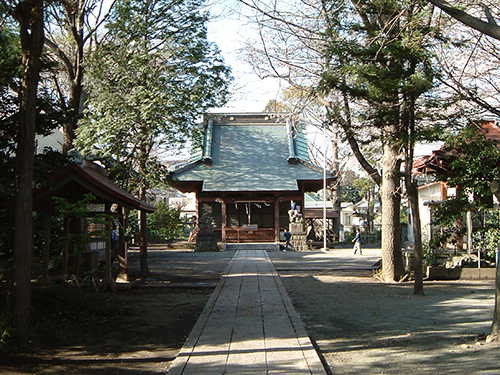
{"points": [[268, 246]]}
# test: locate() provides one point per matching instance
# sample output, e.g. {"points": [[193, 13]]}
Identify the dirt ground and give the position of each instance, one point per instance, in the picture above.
{"points": [[361, 326]]}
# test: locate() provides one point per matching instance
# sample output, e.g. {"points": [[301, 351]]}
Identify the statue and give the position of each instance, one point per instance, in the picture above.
{"points": [[205, 238], [293, 213]]}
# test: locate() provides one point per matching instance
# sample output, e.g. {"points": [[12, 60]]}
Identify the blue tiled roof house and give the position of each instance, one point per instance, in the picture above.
{"points": [[246, 170]]}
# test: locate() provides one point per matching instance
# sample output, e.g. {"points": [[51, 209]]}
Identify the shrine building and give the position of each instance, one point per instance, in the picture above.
{"points": [[246, 170]]}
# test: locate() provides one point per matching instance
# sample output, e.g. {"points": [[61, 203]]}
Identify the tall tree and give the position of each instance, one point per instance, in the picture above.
{"points": [[490, 28], [371, 62], [73, 32], [149, 83], [29, 15], [379, 61]]}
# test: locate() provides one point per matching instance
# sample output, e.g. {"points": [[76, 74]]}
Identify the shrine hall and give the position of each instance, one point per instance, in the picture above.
{"points": [[245, 172]]}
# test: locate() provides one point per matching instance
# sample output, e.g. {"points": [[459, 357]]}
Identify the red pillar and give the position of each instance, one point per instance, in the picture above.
{"points": [[276, 219]]}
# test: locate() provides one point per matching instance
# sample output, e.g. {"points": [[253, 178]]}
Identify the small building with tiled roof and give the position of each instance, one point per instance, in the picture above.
{"points": [[246, 170], [431, 191], [73, 183], [437, 161], [86, 177]]}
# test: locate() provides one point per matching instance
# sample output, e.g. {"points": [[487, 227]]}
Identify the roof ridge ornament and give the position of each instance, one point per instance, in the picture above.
{"points": [[207, 143], [292, 153]]}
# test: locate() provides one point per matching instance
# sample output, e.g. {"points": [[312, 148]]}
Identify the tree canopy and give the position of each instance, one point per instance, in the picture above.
{"points": [[152, 79]]}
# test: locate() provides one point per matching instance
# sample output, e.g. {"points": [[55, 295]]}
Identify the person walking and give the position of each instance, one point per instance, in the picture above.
{"points": [[288, 235], [357, 242]]}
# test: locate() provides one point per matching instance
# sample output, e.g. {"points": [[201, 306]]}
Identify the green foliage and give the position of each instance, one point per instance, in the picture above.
{"points": [[166, 224], [487, 236], [364, 185], [446, 215], [487, 240], [132, 229], [95, 224], [10, 55], [149, 84], [379, 57], [472, 163], [354, 189], [47, 164], [7, 331], [350, 194]]}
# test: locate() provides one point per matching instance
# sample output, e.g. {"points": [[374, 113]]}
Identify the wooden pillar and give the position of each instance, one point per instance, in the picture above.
{"points": [[65, 251], [46, 245], [143, 229], [197, 207], [108, 280], [122, 248], [443, 191], [276, 219], [224, 220]]}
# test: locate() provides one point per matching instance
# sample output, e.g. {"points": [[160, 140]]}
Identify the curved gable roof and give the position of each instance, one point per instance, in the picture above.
{"points": [[250, 152], [75, 179]]}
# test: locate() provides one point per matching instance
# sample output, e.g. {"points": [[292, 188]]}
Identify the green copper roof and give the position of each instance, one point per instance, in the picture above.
{"points": [[250, 153]]}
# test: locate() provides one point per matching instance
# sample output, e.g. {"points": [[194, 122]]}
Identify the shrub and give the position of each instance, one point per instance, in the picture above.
{"points": [[166, 224]]}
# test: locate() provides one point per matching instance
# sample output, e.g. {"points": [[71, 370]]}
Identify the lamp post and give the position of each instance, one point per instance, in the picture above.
{"points": [[324, 191]]}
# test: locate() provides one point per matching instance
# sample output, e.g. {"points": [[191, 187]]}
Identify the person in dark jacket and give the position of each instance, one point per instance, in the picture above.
{"points": [[288, 235], [357, 242]]}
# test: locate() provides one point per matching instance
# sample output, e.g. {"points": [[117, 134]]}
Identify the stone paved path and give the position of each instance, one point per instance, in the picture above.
{"points": [[248, 327]]}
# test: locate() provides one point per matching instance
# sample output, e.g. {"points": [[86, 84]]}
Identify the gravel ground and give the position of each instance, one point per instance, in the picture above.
{"points": [[360, 325], [363, 326]]}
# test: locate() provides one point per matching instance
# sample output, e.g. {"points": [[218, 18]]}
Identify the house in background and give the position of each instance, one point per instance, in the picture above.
{"points": [[353, 215], [314, 214], [247, 169], [432, 192], [184, 202]]}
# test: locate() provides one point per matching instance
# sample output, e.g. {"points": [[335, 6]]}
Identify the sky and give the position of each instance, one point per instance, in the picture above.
{"points": [[228, 28]]}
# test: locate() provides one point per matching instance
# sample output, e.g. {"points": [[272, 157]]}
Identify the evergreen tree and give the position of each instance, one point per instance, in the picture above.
{"points": [[379, 61], [149, 83]]}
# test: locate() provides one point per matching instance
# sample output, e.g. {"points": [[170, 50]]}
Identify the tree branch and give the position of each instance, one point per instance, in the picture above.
{"points": [[489, 28]]}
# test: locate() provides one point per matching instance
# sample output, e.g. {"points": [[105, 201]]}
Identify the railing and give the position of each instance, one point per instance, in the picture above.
{"points": [[244, 235]]}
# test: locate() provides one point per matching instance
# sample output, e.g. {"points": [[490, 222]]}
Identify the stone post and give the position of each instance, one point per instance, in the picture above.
{"points": [[299, 236]]}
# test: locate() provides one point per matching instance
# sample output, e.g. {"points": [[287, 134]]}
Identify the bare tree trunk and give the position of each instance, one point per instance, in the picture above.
{"points": [[74, 104], [412, 193], [335, 188], [392, 259], [143, 231], [389, 182], [143, 244], [369, 215], [489, 28], [495, 328], [46, 245], [30, 16]]}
